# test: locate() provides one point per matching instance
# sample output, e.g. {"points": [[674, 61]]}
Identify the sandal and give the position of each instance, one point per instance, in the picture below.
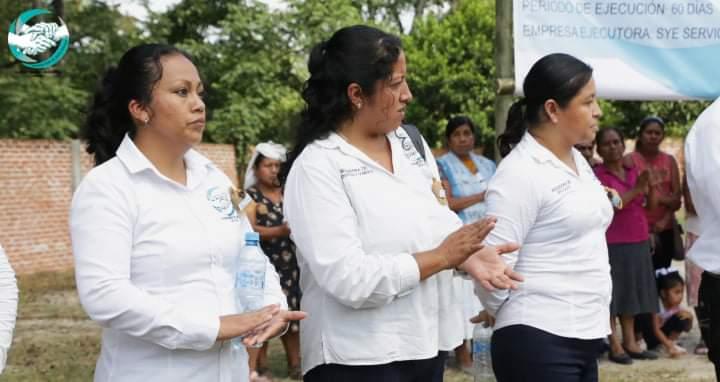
{"points": [[642, 355], [622, 359]]}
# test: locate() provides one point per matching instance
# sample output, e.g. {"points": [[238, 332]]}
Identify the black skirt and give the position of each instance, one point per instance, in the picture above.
{"points": [[633, 278]]}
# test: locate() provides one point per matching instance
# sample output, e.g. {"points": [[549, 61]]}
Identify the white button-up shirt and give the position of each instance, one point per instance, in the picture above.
{"points": [[702, 164], [356, 227], [559, 219], [8, 306], [154, 267]]}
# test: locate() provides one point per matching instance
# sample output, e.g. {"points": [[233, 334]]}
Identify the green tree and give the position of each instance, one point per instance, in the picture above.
{"points": [[253, 59], [678, 115], [451, 69]]}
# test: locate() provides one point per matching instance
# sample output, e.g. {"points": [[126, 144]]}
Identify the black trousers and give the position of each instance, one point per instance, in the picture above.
{"points": [[709, 303], [522, 353], [424, 370]]}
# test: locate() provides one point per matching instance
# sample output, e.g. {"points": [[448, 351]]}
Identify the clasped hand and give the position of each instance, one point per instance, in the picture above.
{"points": [[257, 326], [464, 249]]}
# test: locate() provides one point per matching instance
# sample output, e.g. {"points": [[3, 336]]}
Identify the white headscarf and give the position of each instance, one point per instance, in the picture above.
{"points": [[268, 149]]}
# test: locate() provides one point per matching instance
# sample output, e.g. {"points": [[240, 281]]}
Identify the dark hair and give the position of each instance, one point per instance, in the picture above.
{"points": [[556, 76], [456, 122], [605, 130], [108, 118], [258, 160], [644, 124], [669, 280], [358, 54]]}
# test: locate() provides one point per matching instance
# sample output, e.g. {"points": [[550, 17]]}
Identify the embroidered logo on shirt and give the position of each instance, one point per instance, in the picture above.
{"points": [[358, 171], [220, 200], [562, 187], [410, 151]]}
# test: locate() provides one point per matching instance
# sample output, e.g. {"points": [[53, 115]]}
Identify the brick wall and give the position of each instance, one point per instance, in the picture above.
{"points": [[35, 195]]}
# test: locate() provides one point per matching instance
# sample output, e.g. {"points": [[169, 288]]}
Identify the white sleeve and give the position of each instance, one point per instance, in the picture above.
{"points": [[324, 229], [8, 306], [511, 199], [703, 160], [101, 224]]}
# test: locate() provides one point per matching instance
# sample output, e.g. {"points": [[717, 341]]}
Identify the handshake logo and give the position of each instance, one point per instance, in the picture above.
{"points": [[27, 41]]}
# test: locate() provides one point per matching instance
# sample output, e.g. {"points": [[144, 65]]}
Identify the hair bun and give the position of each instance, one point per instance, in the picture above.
{"points": [[316, 62], [108, 78]]}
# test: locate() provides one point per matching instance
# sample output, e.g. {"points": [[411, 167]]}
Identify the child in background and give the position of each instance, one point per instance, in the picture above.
{"points": [[666, 326]]}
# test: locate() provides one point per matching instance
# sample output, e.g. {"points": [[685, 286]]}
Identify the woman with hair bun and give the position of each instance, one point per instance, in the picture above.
{"points": [[155, 234], [546, 198], [377, 245]]}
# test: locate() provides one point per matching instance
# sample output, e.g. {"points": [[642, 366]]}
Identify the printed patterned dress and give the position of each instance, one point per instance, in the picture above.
{"points": [[281, 251]]}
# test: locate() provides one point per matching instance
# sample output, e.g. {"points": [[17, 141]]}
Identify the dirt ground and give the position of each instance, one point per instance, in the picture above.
{"points": [[54, 341]]}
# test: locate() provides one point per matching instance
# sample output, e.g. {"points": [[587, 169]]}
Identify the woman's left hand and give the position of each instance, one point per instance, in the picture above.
{"points": [[276, 326], [488, 267], [485, 317]]}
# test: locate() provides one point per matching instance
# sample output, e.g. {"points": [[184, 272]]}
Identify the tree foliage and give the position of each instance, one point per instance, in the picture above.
{"points": [[451, 69], [253, 59]]}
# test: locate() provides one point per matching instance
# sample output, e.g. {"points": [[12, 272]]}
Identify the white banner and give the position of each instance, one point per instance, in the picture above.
{"points": [[640, 50]]}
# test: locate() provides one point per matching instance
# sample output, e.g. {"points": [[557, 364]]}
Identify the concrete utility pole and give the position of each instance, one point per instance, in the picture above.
{"points": [[504, 67]]}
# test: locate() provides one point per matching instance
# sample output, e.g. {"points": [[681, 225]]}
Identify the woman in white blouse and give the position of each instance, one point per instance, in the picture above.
{"points": [[155, 233], [547, 199], [8, 306], [376, 241]]}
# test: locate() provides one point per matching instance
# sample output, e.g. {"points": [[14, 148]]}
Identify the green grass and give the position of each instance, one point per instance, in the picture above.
{"points": [[54, 340]]}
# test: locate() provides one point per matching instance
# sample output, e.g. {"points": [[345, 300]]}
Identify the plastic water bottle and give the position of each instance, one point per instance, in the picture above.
{"points": [[250, 276], [482, 363]]}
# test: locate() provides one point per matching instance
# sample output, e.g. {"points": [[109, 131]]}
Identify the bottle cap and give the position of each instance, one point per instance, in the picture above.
{"points": [[252, 236]]}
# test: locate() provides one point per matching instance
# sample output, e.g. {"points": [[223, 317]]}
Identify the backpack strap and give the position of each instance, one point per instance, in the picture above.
{"points": [[416, 138]]}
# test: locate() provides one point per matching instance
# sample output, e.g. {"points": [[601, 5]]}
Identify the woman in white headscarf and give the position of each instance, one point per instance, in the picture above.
{"points": [[266, 216]]}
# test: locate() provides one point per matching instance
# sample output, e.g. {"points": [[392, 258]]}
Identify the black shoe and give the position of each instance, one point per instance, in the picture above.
{"points": [[622, 359], [643, 355]]}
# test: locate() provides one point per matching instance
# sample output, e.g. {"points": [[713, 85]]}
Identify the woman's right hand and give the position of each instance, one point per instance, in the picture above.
{"points": [[236, 325], [468, 239]]}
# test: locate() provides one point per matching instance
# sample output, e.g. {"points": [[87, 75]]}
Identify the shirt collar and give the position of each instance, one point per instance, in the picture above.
{"points": [[541, 154], [336, 142], [135, 161]]}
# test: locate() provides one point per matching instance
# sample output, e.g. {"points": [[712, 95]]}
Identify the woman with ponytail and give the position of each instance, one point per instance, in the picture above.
{"points": [[546, 198], [155, 234], [377, 244]]}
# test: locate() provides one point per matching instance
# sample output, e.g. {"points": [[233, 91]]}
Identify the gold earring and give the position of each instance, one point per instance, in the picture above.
{"points": [[359, 105], [147, 120]]}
